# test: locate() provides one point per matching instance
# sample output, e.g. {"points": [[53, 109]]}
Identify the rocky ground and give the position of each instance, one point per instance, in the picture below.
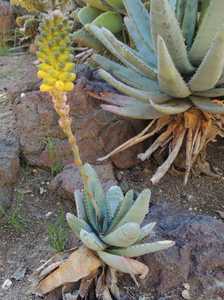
{"points": [[37, 181]]}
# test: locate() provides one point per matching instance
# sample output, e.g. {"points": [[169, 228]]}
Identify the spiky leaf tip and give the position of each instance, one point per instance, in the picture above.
{"points": [[55, 55]]}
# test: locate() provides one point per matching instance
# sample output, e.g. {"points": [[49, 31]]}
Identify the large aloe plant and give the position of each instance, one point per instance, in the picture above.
{"points": [[108, 224], [173, 76]]}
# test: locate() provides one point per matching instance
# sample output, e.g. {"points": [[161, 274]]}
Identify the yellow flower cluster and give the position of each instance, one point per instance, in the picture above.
{"points": [[29, 5], [55, 55]]}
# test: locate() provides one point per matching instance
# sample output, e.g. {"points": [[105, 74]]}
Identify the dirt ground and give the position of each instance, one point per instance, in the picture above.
{"points": [[22, 250]]}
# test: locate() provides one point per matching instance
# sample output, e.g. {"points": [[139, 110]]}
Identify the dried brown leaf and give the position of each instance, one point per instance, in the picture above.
{"points": [[80, 264]]}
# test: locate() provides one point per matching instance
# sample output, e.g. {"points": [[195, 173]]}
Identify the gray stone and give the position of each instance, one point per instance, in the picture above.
{"points": [[197, 257], [9, 151]]}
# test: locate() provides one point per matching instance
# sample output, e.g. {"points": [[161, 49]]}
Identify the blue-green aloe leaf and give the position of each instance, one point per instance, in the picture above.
{"points": [[77, 224], [172, 107], [207, 105], [126, 55], [114, 197], [141, 95], [79, 203], [95, 188], [211, 68], [217, 92], [140, 111], [146, 231], [122, 210], [91, 241], [139, 209], [87, 14], [190, 21], [146, 53], [165, 24], [123, 264], [142, 249], [141, 18], [170, 80], [211, 23], [125, 74], [123, 236]]}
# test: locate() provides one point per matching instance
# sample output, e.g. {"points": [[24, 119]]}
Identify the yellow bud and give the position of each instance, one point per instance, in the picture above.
{"points": [[60, 86], [72, 77], [45, 88], [68, 86], [69, 67], [41, 74], [44, 67]]}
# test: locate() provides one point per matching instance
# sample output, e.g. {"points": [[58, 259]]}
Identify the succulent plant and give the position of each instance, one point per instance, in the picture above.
{"points": [[35, 6], [108, 224], [106, 14], [173, 76]]}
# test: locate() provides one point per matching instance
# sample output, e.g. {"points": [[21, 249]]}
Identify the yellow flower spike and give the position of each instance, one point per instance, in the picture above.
{"points": [[55, 54]]}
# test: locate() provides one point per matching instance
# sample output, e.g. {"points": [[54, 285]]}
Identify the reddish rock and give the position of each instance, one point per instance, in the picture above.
{"points": [[65, 183], [97, 131], [116, 134]]}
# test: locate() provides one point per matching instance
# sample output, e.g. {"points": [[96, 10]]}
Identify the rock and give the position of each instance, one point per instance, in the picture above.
{"points": [[197, 257], [18, 74], [6, 198], [65, 183], [6, 20], [19, 274], [7, 284], [44, 145], [9, 151], [119, 132], [186, 295]]}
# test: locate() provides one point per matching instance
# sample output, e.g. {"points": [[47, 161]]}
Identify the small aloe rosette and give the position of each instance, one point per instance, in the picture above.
{"points": [[110, 225], [55, 55]]}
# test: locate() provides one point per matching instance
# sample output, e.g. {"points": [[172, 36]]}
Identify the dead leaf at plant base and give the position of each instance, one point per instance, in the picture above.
{"points": [[80, 264]]}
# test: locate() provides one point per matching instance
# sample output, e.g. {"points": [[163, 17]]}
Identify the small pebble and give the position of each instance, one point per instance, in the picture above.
{"points": [[186, 286], [22, 95], [34, 171], [7, 284], [48, 214], [186, 295], [42, 190]]}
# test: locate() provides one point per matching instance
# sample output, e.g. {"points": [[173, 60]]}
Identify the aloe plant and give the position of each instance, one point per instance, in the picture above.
{"points": [[173, 75], [108, 224], [106, 14]]}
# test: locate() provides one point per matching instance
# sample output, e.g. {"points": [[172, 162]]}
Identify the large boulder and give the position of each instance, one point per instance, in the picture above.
{"points": [[43, 144], [195, 262]]}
